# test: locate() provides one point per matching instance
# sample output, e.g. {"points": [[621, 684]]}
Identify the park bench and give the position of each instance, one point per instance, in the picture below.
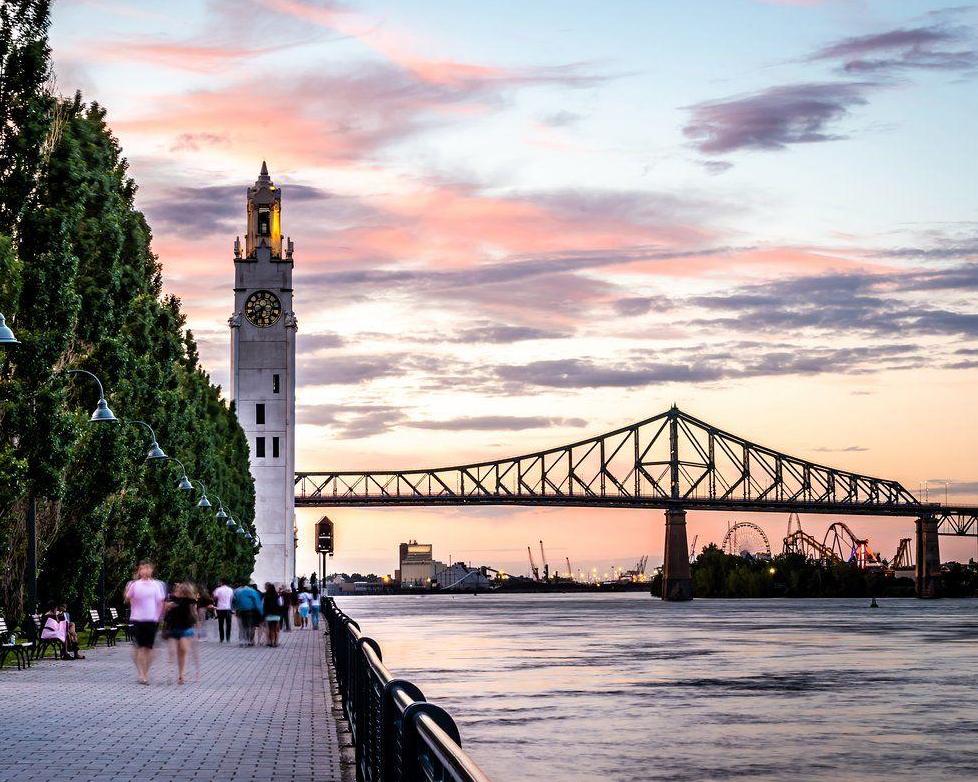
{"points": [[99, 629], [121, 624], [41, 645], [9, 644]]}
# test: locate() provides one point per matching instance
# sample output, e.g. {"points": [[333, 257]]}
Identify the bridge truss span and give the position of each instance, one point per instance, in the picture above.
{"points": [[671, 460]]}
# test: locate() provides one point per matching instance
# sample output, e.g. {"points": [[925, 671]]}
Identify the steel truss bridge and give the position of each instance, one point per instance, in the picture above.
{"points": [[670, 461]]}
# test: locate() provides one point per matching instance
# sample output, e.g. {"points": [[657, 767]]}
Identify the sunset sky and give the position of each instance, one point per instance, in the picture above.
{"points": [[520, 224]]}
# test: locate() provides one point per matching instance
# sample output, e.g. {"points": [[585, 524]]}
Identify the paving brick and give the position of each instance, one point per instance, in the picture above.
{"points": [[256, 714]]}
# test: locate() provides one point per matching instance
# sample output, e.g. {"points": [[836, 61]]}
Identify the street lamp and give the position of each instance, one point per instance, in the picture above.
{"points": [[203, 502], [102, 412], [6, 335], [221, 514], [185, 484], [155, 453]]}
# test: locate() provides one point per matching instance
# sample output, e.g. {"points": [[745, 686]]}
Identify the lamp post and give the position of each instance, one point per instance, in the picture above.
{"points": [[101, 414], [184, 484], [203, 502]]}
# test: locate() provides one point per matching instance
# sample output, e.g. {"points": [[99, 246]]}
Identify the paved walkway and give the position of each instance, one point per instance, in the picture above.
{"points": [[255, 714]]}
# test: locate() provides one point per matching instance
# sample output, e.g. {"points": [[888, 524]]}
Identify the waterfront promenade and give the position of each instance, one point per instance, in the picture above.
{"points": [[256, 714]]}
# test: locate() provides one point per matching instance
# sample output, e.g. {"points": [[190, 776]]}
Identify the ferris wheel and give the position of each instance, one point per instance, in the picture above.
{"points": [[746, 539]]}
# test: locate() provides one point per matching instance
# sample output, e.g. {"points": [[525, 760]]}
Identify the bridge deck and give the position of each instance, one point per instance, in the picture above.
{"points": [[256, 714]]}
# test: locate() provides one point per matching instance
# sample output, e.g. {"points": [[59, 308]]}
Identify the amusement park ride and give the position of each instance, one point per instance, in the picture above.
{"points": [[839, 544]]}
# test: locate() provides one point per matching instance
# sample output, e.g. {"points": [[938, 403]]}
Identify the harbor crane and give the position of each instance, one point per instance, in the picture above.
{"points": [[570, 573], [543, 560], [533, 565], [692, 549]]}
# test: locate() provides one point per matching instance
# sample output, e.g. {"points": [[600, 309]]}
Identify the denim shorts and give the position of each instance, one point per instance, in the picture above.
{"points": [[188, 633]]}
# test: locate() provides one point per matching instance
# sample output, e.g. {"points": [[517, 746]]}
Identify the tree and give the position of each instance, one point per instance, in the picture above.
{"points": [[83, 289]]}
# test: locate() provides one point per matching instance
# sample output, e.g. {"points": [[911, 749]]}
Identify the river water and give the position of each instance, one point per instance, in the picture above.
{"points": [[625, 687]]}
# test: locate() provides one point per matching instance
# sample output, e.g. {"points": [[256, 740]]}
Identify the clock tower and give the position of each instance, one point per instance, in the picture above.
{"points": [[263, 329]]}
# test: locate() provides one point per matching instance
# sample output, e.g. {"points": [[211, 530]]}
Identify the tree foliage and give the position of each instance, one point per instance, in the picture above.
{"points": [[81, 288]]}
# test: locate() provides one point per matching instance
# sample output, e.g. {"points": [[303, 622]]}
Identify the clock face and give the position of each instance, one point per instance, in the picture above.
{"points": [[263, 309]]}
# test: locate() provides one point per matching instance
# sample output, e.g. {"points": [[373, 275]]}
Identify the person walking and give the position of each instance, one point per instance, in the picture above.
{"points": [[272, 608], [205, 604], [247, 605], [222, 601], [181, 623], [294, 605], [314, 604], [145, 596], [304, 600], [283, 594]]}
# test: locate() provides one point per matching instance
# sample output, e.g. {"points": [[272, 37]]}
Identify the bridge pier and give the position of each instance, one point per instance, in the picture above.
{"points": [[928, 564], [677, 583]]}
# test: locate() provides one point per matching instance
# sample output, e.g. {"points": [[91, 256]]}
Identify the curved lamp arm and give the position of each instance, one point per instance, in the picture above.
{"points": [[203, 502], [137, 421], [185, 484], [102, 412], [155, 453], [101, 391]]}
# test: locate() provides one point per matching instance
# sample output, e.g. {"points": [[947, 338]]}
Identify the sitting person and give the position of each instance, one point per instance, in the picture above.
{"points": [[71, 636], [57, 628]]}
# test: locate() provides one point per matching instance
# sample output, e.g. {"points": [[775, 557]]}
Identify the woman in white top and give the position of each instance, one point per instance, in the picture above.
{"points": [[314, 608], [304, 600]]}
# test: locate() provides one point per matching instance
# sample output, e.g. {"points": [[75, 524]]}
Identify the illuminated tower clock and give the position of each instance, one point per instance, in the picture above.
{"points": [[263, 330]]}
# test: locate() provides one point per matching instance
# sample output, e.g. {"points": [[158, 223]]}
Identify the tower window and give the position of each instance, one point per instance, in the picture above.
{"points": [[260, 413], [260, 447], [275, 448], [275, 384], [264, 222]]}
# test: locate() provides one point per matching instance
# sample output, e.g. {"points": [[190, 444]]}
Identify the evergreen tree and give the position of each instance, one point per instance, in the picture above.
{"points": [[82, 288]]}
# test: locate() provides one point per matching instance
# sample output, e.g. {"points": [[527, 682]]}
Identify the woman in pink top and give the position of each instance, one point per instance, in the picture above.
{"points": [[145, 596], [57, 628]]}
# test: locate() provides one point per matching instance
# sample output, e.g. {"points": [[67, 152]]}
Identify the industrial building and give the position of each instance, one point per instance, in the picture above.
{"points": [[415, 566]]}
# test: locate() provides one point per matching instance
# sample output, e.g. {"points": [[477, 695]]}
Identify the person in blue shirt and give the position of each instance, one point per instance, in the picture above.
{"points": [[247, 604]]}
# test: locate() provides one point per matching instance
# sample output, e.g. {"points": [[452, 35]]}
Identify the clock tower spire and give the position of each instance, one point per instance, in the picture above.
{"points": [[263, 329]]}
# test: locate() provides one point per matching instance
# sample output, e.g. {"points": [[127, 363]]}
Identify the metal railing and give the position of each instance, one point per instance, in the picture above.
{"points": [[397, 735]]}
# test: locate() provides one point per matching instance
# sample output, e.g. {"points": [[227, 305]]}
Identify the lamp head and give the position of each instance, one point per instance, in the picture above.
{"points": [[203, 502], [6, 335], [231, 523], [104, 414], [185, 484], [155, 453], [221, 515]]}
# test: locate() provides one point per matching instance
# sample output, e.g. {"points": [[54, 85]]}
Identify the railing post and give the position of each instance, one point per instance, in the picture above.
{"points": [[414, 754], [393, 762]]}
